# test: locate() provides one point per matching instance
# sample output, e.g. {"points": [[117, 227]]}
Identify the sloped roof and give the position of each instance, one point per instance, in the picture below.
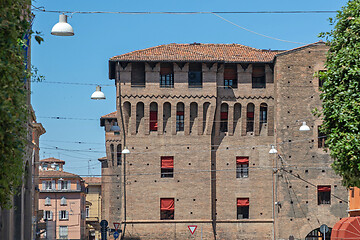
{"points": [[52, 160], [110, 115], [301, 47], [232, 53], [92, 180], [57, 174]]}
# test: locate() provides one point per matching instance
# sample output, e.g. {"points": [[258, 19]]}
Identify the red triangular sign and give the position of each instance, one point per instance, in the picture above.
{"points": [[116, 226], [192, 228]]}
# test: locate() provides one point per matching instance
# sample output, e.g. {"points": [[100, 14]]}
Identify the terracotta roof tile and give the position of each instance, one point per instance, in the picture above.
{"points": [[52, 160], [199, 52], [110, 115], [92, 180], [57, 174]]}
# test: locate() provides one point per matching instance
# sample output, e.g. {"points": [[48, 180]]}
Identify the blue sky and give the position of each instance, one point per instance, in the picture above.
{"points": [[83, 58]]}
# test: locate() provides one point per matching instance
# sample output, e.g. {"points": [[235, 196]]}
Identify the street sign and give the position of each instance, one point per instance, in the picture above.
{"points": [[116, 226], [192, 228], [116, 235], [324, 228], [104, 223]]}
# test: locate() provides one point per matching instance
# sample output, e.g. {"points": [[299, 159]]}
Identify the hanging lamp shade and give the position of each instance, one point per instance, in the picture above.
{"points": [[125, 151], [62, 28], [98, 94], [273, 150], [304, 127], [115, 128]]}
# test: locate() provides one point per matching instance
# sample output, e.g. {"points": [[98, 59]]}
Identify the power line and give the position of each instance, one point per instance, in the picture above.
{"points": [[42, 9], [76, 83]]}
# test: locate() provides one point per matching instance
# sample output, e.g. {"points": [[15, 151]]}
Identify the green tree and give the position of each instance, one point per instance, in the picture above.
{"points": [[341, 93], [15, 27]]}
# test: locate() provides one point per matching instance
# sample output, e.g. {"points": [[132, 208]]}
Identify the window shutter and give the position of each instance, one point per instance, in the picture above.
{"points": [[43, 185], [68, 185], [67, 215], [66, 231], [59, 185], [167, 162], [242, 202], [53, 184], [60, 215], [167, 204], [242, 160], [51, 215]]}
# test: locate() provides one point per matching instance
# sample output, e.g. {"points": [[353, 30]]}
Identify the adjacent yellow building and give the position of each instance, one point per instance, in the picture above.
{"points": [[93, 206]]}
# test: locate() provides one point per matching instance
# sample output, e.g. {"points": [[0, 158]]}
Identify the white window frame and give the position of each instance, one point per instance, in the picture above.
{"points": [[63, 215], [87, 210], [47, 201], [63, 201], [63, 232]]}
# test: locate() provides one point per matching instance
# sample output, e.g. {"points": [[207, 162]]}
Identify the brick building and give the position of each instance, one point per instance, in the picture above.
{"points": [[62, 200], [199, 120]]}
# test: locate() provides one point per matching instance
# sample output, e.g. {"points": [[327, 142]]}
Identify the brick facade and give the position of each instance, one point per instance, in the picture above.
{"points": [[221, 124]]}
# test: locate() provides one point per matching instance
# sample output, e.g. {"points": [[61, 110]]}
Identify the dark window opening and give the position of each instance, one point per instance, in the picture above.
{"points": [[250, 118], [112, 152], [195, 75], [258, 76], [180, 121], [167, 208], [321, 138], [242, 208], [118, 155], [138, 75], [263, 114], [230, 76], [316, 235], [321, 79], [167, 167], [224, 118], [324, 194], [242, 167], [153, 120], [166, 75]]}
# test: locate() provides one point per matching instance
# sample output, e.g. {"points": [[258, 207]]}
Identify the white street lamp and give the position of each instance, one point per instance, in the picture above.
{"points": [[125, 151], [98, 94], [273, 150], [62, 28], [304, 127]]}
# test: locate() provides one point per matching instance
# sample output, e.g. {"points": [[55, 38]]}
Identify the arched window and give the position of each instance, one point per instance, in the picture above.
{"points": [[118, 155], [47, 201], [112, 153], [263, 114], [127, 114], [166, 116], [237, 115], [180, 117], [139, 114], [250, 117], [316, 235], [224, 117], [153, 116], [193, 114], [63, 201]]}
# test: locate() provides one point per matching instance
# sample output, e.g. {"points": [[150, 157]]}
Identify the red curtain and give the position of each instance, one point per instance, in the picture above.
{"points": [[250, 114], [224, 115], [153, 120], [180, 113], [230, 74], [167, 162], [242, 160], [242, 202], [324, 188], [167, 204]]}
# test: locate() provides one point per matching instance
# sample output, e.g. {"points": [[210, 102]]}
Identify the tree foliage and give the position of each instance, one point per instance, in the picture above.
{"points": [[341, 93], [14, 26]]}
